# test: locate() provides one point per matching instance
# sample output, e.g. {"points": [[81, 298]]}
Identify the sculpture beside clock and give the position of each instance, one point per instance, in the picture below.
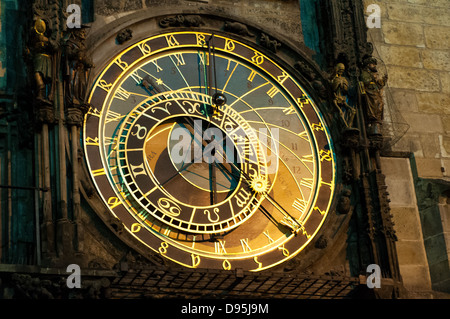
{"points": [[209, 152]]}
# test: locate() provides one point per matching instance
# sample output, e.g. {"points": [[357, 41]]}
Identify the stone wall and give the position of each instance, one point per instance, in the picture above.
{"points": [[410, 246], [281, 17], [414, 45]]}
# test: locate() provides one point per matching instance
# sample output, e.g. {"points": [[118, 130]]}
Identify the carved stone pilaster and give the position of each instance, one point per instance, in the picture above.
{"points": [[64, 238], [74, 116], [387, 227], [346, 32], [45, 114]]}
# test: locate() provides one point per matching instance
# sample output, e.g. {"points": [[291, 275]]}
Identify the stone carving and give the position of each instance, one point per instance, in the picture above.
{"points": [[124, 35], [77, 67], [270, 44], [340, 87], [372, 88], [344, 203], [116, 225], [347, 33], [306, 70], [45, 114], [291, 265], [96, 289], [388, 224], [27, 287], [238, 28], [312, 76], [321, 242], [97, 263], [74, 116], [182, 21]]}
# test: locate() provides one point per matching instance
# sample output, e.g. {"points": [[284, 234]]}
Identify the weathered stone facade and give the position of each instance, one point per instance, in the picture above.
{"points": [[413, 43], [267, 13]]}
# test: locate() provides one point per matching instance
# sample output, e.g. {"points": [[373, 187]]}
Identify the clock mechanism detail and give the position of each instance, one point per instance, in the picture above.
{"points": [[209, 152]]}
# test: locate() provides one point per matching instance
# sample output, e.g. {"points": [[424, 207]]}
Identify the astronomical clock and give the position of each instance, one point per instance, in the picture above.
{"points": [[195, 148], [209, 150]]}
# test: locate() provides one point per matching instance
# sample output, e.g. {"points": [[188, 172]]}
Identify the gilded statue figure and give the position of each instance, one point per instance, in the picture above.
{"points": [[42, 49]]}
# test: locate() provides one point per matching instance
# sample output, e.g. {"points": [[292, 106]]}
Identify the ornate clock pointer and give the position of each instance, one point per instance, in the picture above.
{"points": [[183, 168], [193, 130], [212, 170], [288, 220], [258, 186], [218, 99]]}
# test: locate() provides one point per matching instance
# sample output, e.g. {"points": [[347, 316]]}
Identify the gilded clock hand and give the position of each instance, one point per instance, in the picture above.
{"points": [[218, 99], [288, 220], [212, 171], [183, 168], [193, 130], [215, 165], [260, 207], [212, 165], [210, 44], [269, 215]]}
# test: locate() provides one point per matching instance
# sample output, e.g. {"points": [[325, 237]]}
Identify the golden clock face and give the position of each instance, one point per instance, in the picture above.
{"points": [[209, 152]]}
